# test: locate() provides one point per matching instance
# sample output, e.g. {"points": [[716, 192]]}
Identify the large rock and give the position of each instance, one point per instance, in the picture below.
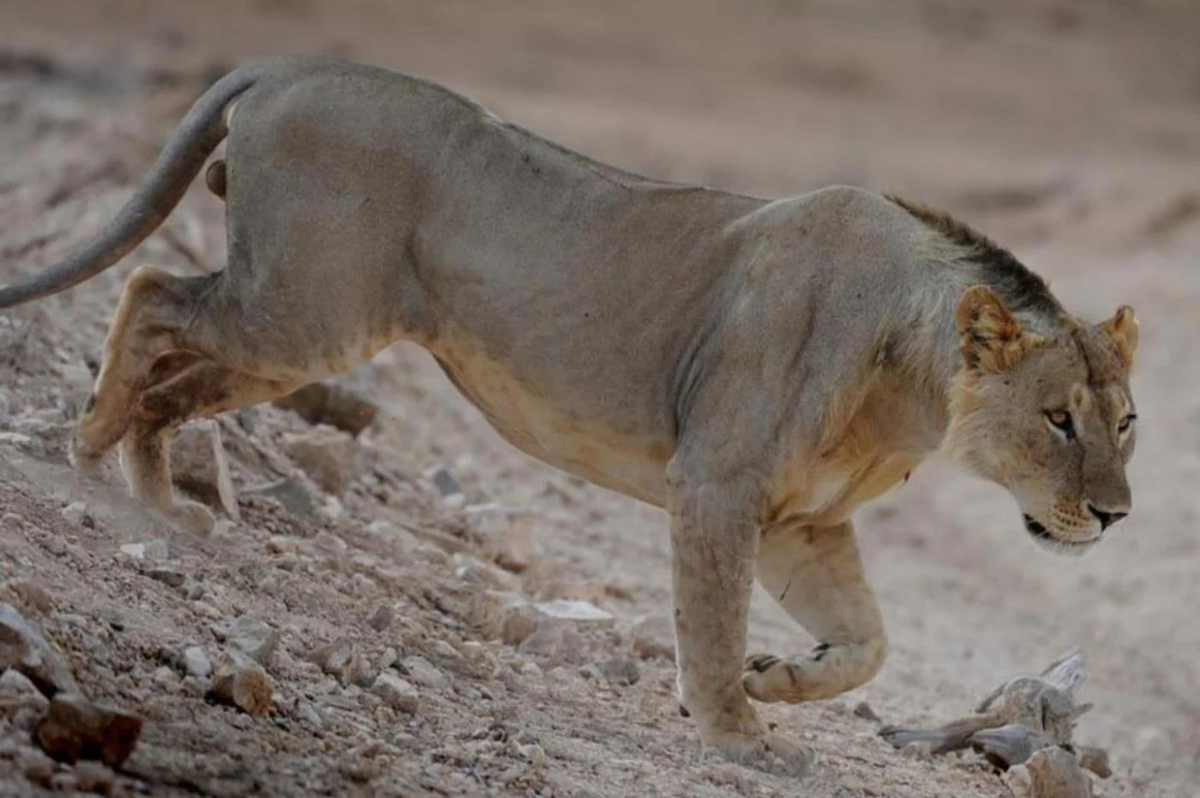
{"points": [[75, 728], [329, 456], [199, 465], [23, 647], [331, 404]]}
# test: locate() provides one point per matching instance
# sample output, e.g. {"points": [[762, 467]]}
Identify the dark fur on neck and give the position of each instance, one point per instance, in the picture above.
{"points": [[1020, 289]]}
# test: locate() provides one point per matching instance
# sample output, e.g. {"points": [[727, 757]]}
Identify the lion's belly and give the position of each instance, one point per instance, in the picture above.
{"points": [[542, 427]]}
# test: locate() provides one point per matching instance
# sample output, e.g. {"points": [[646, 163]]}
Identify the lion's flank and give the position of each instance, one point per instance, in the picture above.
{"points": [[1018, 287]]}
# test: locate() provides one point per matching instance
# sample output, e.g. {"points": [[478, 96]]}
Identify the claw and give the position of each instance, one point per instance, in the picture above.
{"points": [[759, 663]]}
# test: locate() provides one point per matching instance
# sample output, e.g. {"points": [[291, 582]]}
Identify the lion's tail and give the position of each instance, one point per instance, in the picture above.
{"points": [[197, 136]]}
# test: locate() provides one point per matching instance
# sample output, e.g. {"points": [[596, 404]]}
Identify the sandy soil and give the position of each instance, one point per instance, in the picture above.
{"points": [[1069, 131]]}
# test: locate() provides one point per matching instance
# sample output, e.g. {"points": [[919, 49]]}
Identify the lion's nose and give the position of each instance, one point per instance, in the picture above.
{"points": [[1107, 519]]}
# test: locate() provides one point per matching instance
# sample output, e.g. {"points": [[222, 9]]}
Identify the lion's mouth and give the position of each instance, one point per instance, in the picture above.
{"points": [[1041, 534], [1036, 529]]}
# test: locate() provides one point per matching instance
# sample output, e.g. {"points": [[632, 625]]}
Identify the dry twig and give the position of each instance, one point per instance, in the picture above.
{"points": [[1025, 721]]}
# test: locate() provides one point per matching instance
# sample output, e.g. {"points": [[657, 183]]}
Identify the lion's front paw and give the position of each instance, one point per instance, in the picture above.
{"points": [[825, 671], [769, 752], [769, 678]]}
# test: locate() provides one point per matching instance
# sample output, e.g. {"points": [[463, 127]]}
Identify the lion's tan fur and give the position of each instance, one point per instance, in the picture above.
{"points": [[758, 368]]}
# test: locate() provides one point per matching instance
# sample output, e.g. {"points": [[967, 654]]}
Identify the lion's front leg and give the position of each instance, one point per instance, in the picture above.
{"points": [[816, 575], [714, 536]]}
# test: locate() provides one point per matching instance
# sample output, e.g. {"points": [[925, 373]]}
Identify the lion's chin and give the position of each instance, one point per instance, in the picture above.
{"points": [[1047, 540]]}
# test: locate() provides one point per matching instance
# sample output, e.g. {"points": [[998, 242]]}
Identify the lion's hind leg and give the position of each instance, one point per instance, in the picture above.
{"points": [[816, 575], [200, 388], [150, 322], [157, 372]]}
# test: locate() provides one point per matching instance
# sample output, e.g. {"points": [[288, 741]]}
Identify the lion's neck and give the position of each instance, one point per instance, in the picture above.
{"points": [[924, 346]]}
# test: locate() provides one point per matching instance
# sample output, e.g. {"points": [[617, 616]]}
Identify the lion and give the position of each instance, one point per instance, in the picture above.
{"points": [[758, 368]]}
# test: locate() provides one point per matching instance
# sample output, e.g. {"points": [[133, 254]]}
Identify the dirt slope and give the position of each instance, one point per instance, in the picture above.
{"points": [[1069, 131]]}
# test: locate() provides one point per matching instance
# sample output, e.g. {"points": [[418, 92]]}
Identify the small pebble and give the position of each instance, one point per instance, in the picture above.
{"points": [[381, 619], [196, 662], [396, 692], [168, 576], [863, 710]]}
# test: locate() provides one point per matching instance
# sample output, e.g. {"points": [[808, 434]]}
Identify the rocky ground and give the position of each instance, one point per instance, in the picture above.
{"points": [[404, 605]]}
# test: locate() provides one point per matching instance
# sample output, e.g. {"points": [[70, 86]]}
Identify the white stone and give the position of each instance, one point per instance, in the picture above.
{"points": [[196, 662], [579, 611], [148, 550]]}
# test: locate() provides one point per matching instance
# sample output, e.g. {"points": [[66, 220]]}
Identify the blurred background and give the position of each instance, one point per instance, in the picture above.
{"points": [[1069, 131]]}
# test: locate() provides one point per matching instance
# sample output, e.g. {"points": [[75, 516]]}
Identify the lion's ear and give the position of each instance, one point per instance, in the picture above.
{"points": [[1122, 328], [992, 339]]}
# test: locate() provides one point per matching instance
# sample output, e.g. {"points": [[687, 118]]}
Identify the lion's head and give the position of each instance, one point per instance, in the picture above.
{"points": [[1050, 417]]}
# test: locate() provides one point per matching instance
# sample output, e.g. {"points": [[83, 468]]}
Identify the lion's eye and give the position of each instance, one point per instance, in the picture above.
{"points": [[1127, 422], [1061, 421]]}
